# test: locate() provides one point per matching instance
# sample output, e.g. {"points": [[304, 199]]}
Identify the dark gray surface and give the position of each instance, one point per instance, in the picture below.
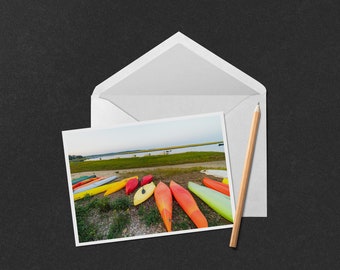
{"points": [[53, 55]]}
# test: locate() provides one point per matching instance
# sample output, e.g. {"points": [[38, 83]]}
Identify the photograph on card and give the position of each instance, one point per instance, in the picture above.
{"points": [[148, 179]]}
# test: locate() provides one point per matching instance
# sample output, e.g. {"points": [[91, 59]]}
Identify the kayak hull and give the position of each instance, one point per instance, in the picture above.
{"points": [[79, 179], [216, 173], [95, 191], [131, 185], [121, 184], [188, 204], [163, 200], [83, 182], [143, 193], [217, 201], [215, 185], [84, 187], [146, 180], [225, 181], [95, 184]]}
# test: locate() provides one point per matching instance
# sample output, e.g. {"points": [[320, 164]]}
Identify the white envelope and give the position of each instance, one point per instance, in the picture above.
{"points": [[180, 77]]}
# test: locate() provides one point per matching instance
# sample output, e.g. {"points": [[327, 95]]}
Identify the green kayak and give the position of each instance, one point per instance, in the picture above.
{"points": [[82, 178], [219, 202]]}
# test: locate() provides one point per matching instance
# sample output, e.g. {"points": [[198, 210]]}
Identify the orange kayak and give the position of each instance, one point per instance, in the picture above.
{"points": [[188, 204], [84, 182], [218, 186], [163, 200], [79, 179], [89, 183]]}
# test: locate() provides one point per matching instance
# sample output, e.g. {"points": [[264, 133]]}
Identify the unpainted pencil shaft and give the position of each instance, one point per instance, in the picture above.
{"points": [[245, 177]]}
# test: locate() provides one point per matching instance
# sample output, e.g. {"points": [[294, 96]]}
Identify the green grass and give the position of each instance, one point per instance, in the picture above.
{"points": [[121, 203], [178, 226], [86, 230], [147, 161], [119, 224], [103, 204], [180, 220], [149, 216]]}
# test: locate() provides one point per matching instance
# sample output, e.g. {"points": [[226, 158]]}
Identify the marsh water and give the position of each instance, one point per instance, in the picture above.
{"points": [[201, 148]]}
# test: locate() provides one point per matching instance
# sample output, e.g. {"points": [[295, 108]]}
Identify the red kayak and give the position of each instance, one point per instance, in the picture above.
{"points": [[93, 180], [218, 186], [83, 182], [131, 185], [146, 180], [188, 204]]}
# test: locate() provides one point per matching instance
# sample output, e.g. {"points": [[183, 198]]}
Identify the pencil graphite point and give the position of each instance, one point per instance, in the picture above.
{"points": [[257, 108]]}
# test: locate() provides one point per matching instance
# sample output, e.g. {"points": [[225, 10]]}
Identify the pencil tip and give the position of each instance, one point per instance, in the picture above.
{"points": [[257, 108]]}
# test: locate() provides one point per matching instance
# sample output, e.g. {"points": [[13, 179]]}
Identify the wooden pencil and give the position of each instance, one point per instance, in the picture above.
{"points": [[245, 177]]}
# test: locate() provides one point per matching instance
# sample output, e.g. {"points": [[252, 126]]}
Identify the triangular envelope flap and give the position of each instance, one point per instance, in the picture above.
{"points": [[102, 112], [179, 71], [179, 66]]}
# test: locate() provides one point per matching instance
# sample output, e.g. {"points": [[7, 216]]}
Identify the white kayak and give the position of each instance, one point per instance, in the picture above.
{"points": [[96, 184], [216, 173]]}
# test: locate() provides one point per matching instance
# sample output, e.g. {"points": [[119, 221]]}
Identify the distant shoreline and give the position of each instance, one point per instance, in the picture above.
{"points": [[152, 149], [146, 161]]}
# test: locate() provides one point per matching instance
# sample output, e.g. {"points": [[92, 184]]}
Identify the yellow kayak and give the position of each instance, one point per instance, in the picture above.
{"points": [[95, 191], [225, 181], [119, 185], [144, 193]]}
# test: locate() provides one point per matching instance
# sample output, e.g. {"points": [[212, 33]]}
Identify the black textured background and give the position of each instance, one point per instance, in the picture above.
{"points": [[53, 54]]}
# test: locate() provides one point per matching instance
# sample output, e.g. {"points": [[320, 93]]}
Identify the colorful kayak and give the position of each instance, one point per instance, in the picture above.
{"points": [[218, 186], [79, 179], [144, 193], [118, 187], [188, 204], [131, 185], [219, 202], [146, 180], [94, 180], [216, 173], [96, 184], [163, 200], [83, 182], [225, 181], [95, 191]]}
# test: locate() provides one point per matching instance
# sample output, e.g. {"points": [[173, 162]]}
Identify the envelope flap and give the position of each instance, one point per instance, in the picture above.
{"points": [[179, 66], [148, 107]]}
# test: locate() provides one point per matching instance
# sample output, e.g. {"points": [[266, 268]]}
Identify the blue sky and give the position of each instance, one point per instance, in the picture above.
{"points": [[147, 135]]}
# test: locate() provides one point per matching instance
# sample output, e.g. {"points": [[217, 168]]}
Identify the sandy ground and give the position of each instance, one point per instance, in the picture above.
{"points": [[214, 164]]}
